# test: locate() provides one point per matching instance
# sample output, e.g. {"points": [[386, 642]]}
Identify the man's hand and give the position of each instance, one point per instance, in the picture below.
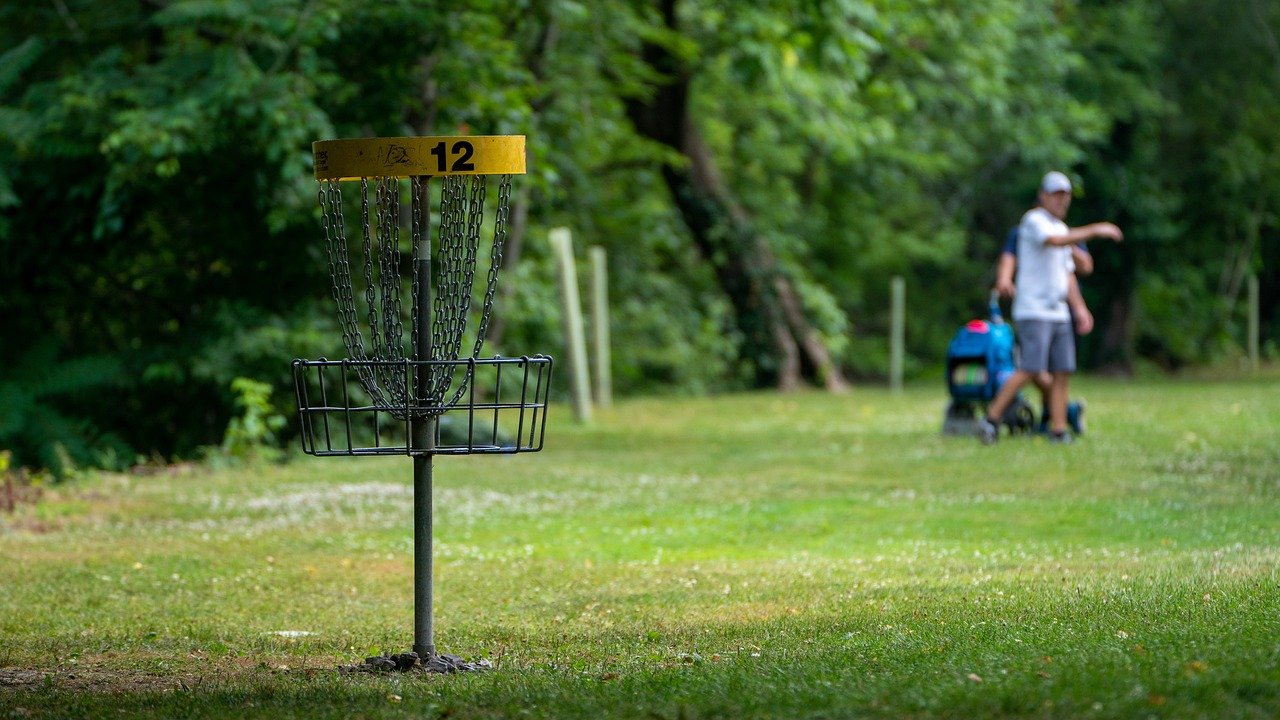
{"points": [[1111, 231], [1084, 320], [1005, 287]]}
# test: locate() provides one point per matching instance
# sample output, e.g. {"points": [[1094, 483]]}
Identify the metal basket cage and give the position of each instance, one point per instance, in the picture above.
{"points": [[503, 409]]}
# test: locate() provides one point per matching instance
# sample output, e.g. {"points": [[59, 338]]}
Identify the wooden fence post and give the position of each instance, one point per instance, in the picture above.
{"points": [[1253, 322], [600, 354], [571, 317], [897, 322]]}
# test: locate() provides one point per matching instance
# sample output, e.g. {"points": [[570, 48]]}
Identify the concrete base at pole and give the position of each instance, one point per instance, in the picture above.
{"points": [[410, 663]]}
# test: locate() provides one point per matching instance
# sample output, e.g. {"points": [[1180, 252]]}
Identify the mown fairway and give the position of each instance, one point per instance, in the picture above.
{"points": [[748, 556]]}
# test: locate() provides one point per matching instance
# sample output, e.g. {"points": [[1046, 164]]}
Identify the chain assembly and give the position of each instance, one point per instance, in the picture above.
{"points": [[451, 278]]}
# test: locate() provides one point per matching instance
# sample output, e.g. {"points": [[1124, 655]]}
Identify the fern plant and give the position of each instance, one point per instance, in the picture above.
{"points": [[33, 426], [252, 434]]}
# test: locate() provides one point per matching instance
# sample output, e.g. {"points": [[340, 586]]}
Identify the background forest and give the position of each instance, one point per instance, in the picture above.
{"points": [[756, 171]]}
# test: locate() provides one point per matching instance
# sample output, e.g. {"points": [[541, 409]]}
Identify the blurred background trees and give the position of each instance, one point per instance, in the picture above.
{"points": [[756, 171]]}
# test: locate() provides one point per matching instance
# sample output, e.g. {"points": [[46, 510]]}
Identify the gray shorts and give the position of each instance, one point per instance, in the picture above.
{"points": [[1046, 345]]}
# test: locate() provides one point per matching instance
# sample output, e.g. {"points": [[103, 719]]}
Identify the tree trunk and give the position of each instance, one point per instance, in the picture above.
{"points": [[1116, 353], [777, 337]]}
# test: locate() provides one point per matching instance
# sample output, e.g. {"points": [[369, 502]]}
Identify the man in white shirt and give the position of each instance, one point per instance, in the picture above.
{"points": [[1083, 262], [1047, 300]]}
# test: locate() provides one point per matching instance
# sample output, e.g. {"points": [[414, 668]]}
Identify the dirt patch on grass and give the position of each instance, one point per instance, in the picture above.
{"points": [[110, 675], [94, 680]]}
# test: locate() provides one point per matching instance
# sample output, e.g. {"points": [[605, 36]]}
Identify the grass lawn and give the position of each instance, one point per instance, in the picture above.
{"points": [[748, 556]]}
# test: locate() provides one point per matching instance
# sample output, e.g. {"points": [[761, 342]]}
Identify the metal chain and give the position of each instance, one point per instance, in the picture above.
{"points": [[457, 252], [371, 378], [448, 322], [461, 220], [440, 270], [501, 217], [388, 247], [416, 187], [339, 269], [388, 277], [330, 242], [340, 273], [395, 307], [463, 262], [475, 219], [420, 187], [464, 256], [370, 292], [442, 319]]}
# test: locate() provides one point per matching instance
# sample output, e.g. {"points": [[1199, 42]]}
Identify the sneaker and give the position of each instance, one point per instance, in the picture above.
{"points": [[1075, 416], [988, 432], [1075, 419], [1061, 438]]}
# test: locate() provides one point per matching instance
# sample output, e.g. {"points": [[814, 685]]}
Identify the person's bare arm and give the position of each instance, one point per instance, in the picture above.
{"points": [[1083, 261], [1004, 274], [1087, 232], [1079, 310]]}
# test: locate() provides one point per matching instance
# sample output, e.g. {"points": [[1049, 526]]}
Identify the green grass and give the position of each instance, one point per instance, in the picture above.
{"points": [[749, 556]]}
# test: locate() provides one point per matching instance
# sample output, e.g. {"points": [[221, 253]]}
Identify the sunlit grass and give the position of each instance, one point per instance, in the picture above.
{"points": [[753, 555]]}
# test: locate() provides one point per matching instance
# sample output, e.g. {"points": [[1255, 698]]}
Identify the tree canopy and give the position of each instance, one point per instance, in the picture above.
{"points": [[756, 171]]}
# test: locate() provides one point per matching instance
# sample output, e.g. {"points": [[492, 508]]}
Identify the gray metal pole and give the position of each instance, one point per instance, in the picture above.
{"points": [[424, 439], [423, 632]]}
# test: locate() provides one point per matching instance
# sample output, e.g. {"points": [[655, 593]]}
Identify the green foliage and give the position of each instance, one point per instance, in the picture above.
{"points": [[160, 183], [41, 410], [748, 556], [1189, 168], [1175, 325], [253, 434], [157, 210]]}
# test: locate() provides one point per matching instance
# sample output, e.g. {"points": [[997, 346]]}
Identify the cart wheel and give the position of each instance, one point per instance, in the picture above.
{"points": [[960, 410], [958, 420], [1020, 418]]}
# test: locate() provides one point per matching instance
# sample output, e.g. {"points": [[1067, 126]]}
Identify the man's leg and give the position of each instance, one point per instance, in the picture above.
{"points": [[989, 428], [1033, 339], [1058, 402], [1062, 362], [1044, 382], [1003, 398]]}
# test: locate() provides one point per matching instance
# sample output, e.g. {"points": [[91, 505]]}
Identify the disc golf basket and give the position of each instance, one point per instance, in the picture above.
{"points": [[435, 395]]}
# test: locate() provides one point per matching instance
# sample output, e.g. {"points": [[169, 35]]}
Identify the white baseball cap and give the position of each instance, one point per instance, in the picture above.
{"points": [[1055, 182]]}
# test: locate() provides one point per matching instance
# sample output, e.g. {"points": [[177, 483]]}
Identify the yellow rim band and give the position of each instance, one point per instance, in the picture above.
{"points": [[410, 156]]}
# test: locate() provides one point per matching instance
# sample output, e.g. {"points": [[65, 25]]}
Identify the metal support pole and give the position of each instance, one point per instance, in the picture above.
{"points": [[423, 632], [424, 439]]}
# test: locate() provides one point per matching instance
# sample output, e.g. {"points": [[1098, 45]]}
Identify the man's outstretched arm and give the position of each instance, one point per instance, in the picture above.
{"points": [[1106, 230]]}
